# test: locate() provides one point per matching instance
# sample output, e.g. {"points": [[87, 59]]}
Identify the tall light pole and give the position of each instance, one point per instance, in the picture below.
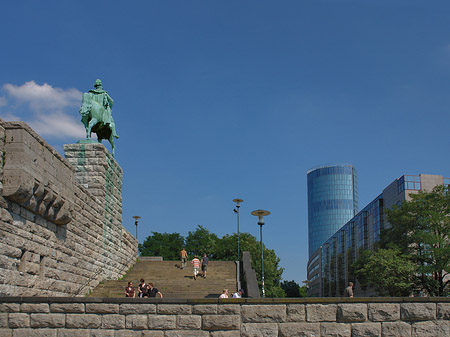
{"points": [[136, 218], [236, 210], [260, 213]]}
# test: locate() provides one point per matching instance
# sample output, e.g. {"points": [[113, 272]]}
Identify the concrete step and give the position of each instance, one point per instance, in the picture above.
{"points": [[172, 281]]}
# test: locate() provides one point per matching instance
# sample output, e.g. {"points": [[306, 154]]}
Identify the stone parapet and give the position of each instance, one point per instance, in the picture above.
{"points": [[224, 318]]}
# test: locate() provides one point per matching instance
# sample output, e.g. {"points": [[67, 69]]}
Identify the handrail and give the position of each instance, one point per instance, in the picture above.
{"points": [[97, 272]]}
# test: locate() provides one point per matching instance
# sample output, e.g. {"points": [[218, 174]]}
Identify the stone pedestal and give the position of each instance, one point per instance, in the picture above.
{"points": [[98, 172]]}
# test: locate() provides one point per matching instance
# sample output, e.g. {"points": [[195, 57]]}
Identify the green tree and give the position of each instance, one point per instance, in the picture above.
{"points": [[304, 291], [386, 270], [291, 288], [167, 245], [227, 250], [421, 229], [201, 241]]}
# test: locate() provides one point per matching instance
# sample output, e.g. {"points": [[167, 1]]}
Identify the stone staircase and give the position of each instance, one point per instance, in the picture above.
{"points": [[172, 281]]}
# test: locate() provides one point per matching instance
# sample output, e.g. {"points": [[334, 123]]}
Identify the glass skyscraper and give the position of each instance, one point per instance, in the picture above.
{"points": [[332, 201]]}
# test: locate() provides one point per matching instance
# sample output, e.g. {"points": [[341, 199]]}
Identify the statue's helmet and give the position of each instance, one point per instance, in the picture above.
{"points": [[98, 83]]}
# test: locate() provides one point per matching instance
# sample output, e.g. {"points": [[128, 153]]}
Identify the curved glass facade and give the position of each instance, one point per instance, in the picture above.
{"points": [[332, 201]]}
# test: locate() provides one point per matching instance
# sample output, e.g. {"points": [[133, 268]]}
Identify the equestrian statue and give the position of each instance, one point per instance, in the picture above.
{"points": [[96, 114]]}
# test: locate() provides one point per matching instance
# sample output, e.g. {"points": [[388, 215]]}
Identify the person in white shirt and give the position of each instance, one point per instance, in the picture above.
{"points": [[238, 294], [224, 294]]}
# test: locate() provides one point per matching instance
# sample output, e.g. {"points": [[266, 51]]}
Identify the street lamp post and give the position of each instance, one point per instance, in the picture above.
{"points": [[136, 218], [260, 213], [236, 210]]}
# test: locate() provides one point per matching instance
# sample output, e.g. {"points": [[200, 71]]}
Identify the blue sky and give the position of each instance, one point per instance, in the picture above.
{"points": [[216, 100]]}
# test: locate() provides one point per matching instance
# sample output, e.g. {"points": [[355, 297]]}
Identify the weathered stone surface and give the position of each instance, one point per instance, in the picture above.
{"points": [[382, 312], [431, 329], [160, 322], [221, 322], [229, 309], [186, 333], [51, 230], [202, 309], [259, 330], [73, 332], [352, 312], [328, 329], [48, 320], [83, 321], [34, 307], [152, 334], [9, 307], [67, 307], [35, 333], [231, 333], [321, 312], [102, 308], [3, 320], [395, 329], [418, 311], [187, 322], [443, 311], [366, 329], [18, 320], [174, 309], [296, 313], [299, 329], [113, 321], [263, 313], [138, 322], [102, 333], [144, 308], [6, 333]]}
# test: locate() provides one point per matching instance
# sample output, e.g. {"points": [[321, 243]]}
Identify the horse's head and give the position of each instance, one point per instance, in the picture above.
{"points": [[85, 109]]}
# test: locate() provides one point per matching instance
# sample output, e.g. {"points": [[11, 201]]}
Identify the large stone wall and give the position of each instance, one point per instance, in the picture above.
{"points": [[61, 227], [74, 317]]}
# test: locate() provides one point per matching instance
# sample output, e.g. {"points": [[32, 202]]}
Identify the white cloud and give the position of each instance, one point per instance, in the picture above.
{"points": [[51, 111], [43, 96], [58, 125]]}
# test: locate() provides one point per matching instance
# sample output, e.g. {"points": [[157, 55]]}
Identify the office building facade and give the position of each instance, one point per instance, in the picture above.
{"points": [[328, 270], [332, 201]]}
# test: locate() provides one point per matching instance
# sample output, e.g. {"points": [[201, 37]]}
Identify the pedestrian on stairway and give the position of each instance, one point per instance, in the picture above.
{"points": [[129, 291], [196, 265], [224, 294], [204, 264], [142, 288], [152, 292], [183, 256], [238, 294]]}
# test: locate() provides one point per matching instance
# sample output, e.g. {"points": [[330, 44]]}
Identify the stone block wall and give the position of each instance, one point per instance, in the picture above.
{"points": [[59, 236], [383, 317]]}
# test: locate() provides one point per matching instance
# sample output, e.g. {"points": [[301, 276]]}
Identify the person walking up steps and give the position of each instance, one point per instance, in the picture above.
{"points": [[204, 264], [196, 265], [183, 256]]}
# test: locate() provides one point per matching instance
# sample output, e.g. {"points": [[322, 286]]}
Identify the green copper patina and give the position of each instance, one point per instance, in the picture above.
{"points": [[96, 115]]}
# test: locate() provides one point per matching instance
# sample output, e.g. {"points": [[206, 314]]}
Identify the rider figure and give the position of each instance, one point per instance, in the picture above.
{"points": [[101, 97]]}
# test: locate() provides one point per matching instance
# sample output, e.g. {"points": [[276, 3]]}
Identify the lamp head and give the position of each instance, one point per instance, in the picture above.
{"points": [[260, 213], [238, 202]]}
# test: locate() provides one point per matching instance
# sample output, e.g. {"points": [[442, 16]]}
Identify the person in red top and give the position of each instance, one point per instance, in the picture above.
{"points": [[196, 265], [129, 291]]}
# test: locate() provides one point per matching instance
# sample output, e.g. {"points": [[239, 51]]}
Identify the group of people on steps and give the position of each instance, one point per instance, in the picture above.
{"points": [[144, 290]]}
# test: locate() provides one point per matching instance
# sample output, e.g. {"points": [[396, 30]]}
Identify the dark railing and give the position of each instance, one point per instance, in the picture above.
{"points": [[88, 281]]}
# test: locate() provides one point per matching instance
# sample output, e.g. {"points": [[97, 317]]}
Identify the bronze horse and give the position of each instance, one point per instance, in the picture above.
{"points": [[92, 117]]}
